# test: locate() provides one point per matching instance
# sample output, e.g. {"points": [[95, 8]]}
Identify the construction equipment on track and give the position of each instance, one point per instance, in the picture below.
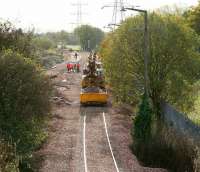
{"points": [[93, 89]]}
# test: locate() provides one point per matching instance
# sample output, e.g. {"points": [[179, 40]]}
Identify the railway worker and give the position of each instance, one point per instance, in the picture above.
{"points": [[68, 67], [76, 55], [74, 67], [78, 67]]}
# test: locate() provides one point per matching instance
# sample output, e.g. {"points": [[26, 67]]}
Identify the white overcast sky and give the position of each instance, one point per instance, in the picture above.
{"points": [[55, 15]]}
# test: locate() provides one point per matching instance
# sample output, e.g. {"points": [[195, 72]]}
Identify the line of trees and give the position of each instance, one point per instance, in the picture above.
{"points": [[174, 74], [173, 64], [87, 36], [52, 39]]}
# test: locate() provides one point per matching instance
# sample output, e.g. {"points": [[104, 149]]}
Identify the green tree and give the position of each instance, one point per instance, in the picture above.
{"points": [[142, 124], [17, 40], [173, 63], [193, 17], [90, 37]]}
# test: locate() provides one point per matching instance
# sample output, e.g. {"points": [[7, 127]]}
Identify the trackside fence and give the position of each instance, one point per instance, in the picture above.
{"points": [[180, 123]]}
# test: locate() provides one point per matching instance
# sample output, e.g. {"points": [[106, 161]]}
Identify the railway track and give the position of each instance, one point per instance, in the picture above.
{"points": [[97, 149], [80, 136]]}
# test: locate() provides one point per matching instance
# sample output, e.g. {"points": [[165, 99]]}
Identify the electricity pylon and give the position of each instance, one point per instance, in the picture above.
{"points": [[118, 14], [79, 13]]}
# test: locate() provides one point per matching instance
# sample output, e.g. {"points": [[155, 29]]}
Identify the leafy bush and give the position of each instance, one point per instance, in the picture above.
{"points": [[48, 60], [43, 43], [24, 102], [9, 161]]}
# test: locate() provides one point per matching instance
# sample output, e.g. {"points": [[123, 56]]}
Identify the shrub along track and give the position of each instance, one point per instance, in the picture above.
{"points": [[85, 139]]}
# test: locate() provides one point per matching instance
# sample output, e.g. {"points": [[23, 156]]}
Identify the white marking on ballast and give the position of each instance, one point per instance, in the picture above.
{"points": [[105, 125], [84, 145]]}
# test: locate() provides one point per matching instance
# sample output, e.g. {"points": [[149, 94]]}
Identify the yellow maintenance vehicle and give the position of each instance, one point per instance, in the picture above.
{"points": [[93, 89]]}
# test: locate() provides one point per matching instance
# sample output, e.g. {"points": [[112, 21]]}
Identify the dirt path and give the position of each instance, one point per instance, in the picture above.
{"points": [[78, 140]]}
